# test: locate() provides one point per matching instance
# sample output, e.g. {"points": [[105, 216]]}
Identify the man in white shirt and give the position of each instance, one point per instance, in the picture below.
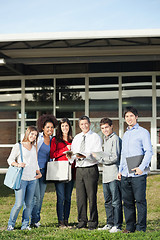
{"points": [[87, 173]]}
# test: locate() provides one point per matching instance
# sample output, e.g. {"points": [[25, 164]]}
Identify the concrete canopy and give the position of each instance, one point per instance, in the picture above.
{"points": [[25, 54]]}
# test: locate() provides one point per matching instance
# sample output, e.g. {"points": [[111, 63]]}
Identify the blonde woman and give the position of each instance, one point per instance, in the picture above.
{"points": [[24, 195]]}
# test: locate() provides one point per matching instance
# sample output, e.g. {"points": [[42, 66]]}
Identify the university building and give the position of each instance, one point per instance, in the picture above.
{"points": [[71, 74]]}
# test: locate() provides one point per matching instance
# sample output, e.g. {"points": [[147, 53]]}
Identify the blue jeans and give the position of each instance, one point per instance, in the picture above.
{"points": [[64, 192], [113, 203], [23, 197], [38, 197], [134, 193]]}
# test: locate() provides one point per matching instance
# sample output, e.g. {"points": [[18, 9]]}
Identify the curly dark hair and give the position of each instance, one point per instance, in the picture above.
{"points": [[44, 119], [59, 134]]}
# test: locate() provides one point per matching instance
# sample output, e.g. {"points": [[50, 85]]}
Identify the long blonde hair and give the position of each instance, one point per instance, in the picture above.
{"points": [[28, 131]]}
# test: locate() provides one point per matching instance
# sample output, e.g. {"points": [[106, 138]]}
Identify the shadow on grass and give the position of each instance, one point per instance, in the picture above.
{"points": [[4, 191]]}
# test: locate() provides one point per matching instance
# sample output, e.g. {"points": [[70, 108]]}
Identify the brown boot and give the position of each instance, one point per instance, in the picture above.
{"points": [[66, 223], [61, 224]]}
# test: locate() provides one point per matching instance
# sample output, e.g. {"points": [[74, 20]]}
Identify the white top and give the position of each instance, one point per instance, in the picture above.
{"points": [[29, 158], [93, 143]]}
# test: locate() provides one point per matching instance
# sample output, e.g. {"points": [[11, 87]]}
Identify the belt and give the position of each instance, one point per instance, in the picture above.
{"points": [[88, 166]]}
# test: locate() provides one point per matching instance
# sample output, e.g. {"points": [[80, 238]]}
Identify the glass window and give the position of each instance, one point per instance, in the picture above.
{"points": [[158, 142], [95, 127], [38, 97], [10, 99], [30, 123], [158, 157], [103, 97], [70, 97], [158, 95], [158, 131], [10, 108], [137, 92], [75, 127]]}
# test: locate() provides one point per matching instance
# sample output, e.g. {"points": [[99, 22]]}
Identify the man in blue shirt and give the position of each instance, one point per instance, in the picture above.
{"points": [[135, 143]]}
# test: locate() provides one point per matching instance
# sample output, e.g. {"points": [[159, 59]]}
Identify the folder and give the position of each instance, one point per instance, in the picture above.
{"points": [[133, 162]]}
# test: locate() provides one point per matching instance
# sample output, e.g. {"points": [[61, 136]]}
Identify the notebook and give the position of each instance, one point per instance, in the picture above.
{"points": [[133, 162]]}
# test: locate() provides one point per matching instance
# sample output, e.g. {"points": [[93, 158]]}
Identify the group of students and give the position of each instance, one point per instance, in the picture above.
{"points": [[118, 183]]}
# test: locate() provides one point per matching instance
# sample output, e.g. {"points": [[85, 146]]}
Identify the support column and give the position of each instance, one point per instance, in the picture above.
{"points": [[87, 96], [120, 108], [22, 108], [154, 124], [54, 97]]}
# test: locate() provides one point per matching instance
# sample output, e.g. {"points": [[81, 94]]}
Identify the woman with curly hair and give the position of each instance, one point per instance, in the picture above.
{"points": [[45, 124], [60, 144]]}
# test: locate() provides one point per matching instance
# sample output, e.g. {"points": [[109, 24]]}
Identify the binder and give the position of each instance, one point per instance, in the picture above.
{"points": [[133, 162]]}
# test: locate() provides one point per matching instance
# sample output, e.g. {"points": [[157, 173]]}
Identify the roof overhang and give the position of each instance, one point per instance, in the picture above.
{"points": [[19, 50], [80, 35]]}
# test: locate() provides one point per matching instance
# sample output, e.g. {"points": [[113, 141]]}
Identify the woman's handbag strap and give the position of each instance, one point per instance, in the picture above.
{"points": [[20, 146]]}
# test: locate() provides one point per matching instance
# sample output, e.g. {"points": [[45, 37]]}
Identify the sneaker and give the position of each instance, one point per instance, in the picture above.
{"points": [[37, 225], [10, 228], [106, 227], [27, 228], [114, 229]]}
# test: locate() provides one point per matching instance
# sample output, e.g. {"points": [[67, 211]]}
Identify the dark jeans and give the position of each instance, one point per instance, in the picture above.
{"points": [[113, 203], [134, 193], [86, 189], [64, 192]]}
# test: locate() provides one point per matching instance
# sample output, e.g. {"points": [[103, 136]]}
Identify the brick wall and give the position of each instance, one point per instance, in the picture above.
{"points": [[7, 136]]}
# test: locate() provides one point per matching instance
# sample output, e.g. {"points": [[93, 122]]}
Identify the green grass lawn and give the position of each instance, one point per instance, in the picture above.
{"points": [[49, 227]]}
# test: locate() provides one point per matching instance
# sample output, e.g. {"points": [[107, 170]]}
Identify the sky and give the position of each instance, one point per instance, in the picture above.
{"points": [[31, 16]]}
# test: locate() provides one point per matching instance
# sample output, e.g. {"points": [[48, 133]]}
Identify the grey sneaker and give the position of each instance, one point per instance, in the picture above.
{"points": [[10, 228], [106, 227]]}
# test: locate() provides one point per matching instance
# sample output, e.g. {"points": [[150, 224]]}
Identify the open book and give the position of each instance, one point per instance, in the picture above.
{"points": [[99, 155], [79, 155]]}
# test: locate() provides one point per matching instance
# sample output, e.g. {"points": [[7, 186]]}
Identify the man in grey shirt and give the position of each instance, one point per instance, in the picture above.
{"points": [[110, 159]]}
